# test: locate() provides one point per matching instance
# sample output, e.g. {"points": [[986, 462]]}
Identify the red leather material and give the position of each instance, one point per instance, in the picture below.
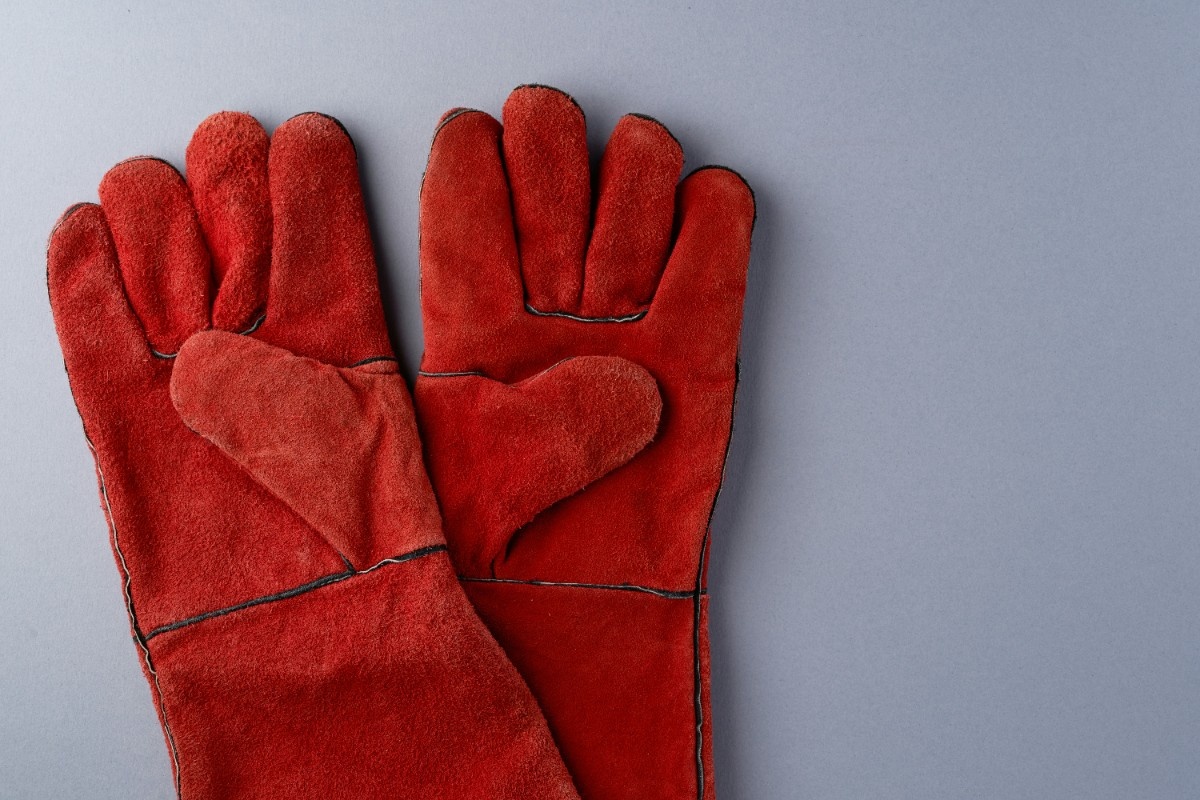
{"points": [[521, 447], [506, 293], [384, 685], [183, 543], [338, 446], [645, 522], [632, 232], [614, 672], [278, 542]]}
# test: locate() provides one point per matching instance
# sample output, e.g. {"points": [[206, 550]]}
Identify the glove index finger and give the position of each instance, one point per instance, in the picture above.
{"points": [[163, 259]]}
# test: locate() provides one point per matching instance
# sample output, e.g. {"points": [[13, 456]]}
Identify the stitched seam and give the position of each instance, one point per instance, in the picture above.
{"points": [[127, 588], [253, 327], [696, 670], [618, 587], [372, 360], [577, 318], [479, 374], [296, 591], [468, 374], [700, 592]]}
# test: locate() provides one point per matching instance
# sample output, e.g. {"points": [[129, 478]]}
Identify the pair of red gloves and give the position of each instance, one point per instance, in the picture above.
{"points": [[294, 540]]}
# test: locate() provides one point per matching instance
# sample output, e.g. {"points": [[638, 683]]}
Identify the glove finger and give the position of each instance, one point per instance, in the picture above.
{"points": [[636, 209], [323, 296], [499, 454], [227, 174], [545, 150], [470, 278], [698, 306], [102, 342], [161, 254]]}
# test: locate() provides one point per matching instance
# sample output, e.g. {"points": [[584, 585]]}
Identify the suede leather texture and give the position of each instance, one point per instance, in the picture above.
{"points": [[278, 540], [384, 685], [600, 599]]}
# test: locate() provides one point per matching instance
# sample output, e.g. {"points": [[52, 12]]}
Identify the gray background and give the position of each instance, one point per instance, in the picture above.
{"points": [[958, 552]]}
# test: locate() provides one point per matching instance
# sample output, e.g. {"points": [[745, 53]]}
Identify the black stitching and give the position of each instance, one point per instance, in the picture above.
{"points": [[701, 592], [307, 587], [452, 115], [669, 594], [372, 360], [138, 637], [480, 374], [332, 119], [159, 159], [262, 317], [565, 315], [696, 668], [468, 374], [336, 577], [574, 102], [253, 327], [659, 123], [65, 216]]}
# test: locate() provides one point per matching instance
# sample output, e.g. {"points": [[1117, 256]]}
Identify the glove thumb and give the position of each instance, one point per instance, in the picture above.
{"points": [[338, 446], [500, 453]]}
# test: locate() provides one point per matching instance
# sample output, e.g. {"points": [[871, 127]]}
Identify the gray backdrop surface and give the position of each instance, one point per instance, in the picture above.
{"points": [[958, 551]]}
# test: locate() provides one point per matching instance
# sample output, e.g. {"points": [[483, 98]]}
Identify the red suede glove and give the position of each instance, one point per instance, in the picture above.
{"points": [[600, 600], [279, 544]]}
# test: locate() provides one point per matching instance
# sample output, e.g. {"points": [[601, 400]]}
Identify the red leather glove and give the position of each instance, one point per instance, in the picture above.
{"points": [[279, 544], [600, 600]]}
